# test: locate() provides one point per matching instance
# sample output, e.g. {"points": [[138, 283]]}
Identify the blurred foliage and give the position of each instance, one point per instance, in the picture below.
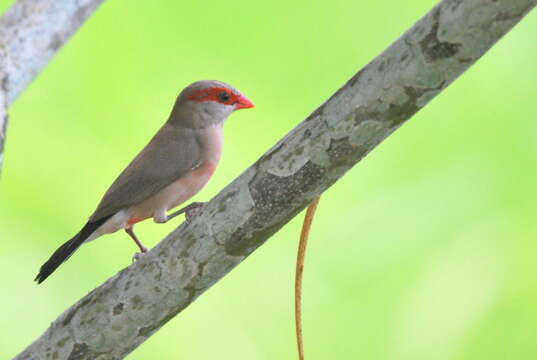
{"points": [[425, 250]]}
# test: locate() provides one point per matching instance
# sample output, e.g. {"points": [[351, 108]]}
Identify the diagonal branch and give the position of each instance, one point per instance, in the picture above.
{"points": [[119, 315], [31, 32]]}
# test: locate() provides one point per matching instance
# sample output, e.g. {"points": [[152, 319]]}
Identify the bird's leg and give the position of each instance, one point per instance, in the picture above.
{"points": [[143, 249], [190, 211]]}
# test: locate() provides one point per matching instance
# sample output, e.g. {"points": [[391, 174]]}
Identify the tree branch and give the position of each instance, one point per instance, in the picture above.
{"points": [[31, 32], [122, 313]]}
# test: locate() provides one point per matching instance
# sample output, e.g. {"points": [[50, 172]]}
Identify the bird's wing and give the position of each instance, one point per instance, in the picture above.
{"points": [[171, 154]]}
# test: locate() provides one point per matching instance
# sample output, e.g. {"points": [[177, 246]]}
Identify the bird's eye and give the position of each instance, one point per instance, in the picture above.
{"points": [[224, 96]]}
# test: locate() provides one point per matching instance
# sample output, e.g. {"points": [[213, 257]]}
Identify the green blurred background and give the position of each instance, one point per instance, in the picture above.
{"points": [[425, 250]]}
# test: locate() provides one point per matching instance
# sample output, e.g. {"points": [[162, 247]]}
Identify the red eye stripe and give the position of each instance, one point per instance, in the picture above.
{"points": [[214, 94]]}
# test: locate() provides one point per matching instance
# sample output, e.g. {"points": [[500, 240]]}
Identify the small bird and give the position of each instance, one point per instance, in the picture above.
{"points": [[175, 165]]}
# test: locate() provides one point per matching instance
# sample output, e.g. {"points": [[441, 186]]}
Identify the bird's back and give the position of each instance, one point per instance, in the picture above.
{"points": [[172, 153]]}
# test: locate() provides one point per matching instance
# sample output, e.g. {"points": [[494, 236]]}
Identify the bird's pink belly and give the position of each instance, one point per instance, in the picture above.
{"points": [[174, 194]]}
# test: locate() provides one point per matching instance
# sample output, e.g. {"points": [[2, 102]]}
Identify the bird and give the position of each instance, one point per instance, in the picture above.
{"points": [[174, 166]]}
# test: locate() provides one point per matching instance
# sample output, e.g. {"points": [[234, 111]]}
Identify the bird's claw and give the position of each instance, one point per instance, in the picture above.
{"points": [[193, 211], [137, 256], [190, 211]]}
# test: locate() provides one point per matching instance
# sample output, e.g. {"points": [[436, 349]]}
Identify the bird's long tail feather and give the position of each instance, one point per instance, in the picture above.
{"points": [[66, 250]]}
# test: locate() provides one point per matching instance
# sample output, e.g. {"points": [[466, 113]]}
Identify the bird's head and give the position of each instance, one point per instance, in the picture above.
{"points": [[207, 102]]}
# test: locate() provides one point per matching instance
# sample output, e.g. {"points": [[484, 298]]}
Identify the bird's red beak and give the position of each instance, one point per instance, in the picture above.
{"points": [[244, 103]]}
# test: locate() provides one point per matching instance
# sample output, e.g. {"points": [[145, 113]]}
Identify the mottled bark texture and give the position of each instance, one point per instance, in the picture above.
{"points": [[31, 32], [122, 313]]}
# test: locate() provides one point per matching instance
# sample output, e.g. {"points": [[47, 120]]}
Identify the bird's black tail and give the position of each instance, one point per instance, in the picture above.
{"points": [[66, 250]]}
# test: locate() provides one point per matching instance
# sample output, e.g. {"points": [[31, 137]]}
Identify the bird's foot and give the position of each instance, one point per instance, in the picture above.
{"points": [[190, 211], [193, 210], [137, 256]]}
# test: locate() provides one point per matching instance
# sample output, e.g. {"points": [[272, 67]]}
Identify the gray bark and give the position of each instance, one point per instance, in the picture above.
{"points": [[123, 312], [31, 32]]}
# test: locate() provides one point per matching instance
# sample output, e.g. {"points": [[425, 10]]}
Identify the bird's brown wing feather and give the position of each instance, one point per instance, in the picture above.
{"points": [[171, 154]]}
